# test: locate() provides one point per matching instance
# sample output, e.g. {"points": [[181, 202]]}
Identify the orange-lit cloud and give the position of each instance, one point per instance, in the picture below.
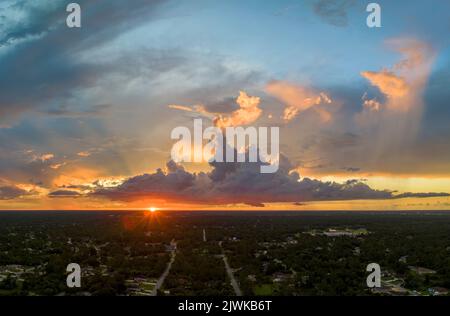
{"points": [[404, 83], [247, 113], [298, 99], [44, 157], [84, 154], [389, 84], [324, 115], [56, 166], [76, 176], [390, 123], [199, 109], [181, 107], [372, 105]]}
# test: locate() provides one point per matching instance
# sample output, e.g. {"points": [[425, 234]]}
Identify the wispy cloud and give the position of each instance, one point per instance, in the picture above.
{"points": [[43, 57]]}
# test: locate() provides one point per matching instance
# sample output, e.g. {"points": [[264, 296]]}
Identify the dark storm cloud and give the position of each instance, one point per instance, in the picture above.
{"points": [[64, 194], [421, 195], [11, 192], [333, 11], [230, 183], [41, 59]]}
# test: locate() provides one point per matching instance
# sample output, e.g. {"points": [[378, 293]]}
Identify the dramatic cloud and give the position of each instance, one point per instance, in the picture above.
{"points": [[231, 183], [298, 99], [77, 105]]}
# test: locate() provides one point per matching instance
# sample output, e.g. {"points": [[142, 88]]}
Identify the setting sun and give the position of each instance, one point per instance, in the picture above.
{"points": [[152, 209]]}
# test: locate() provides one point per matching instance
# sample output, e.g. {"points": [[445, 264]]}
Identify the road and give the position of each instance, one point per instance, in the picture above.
{"points": [[163, 276], [234, 283]]}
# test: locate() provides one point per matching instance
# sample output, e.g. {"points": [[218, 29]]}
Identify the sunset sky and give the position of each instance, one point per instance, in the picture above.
{"points": [[86, 114]]}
